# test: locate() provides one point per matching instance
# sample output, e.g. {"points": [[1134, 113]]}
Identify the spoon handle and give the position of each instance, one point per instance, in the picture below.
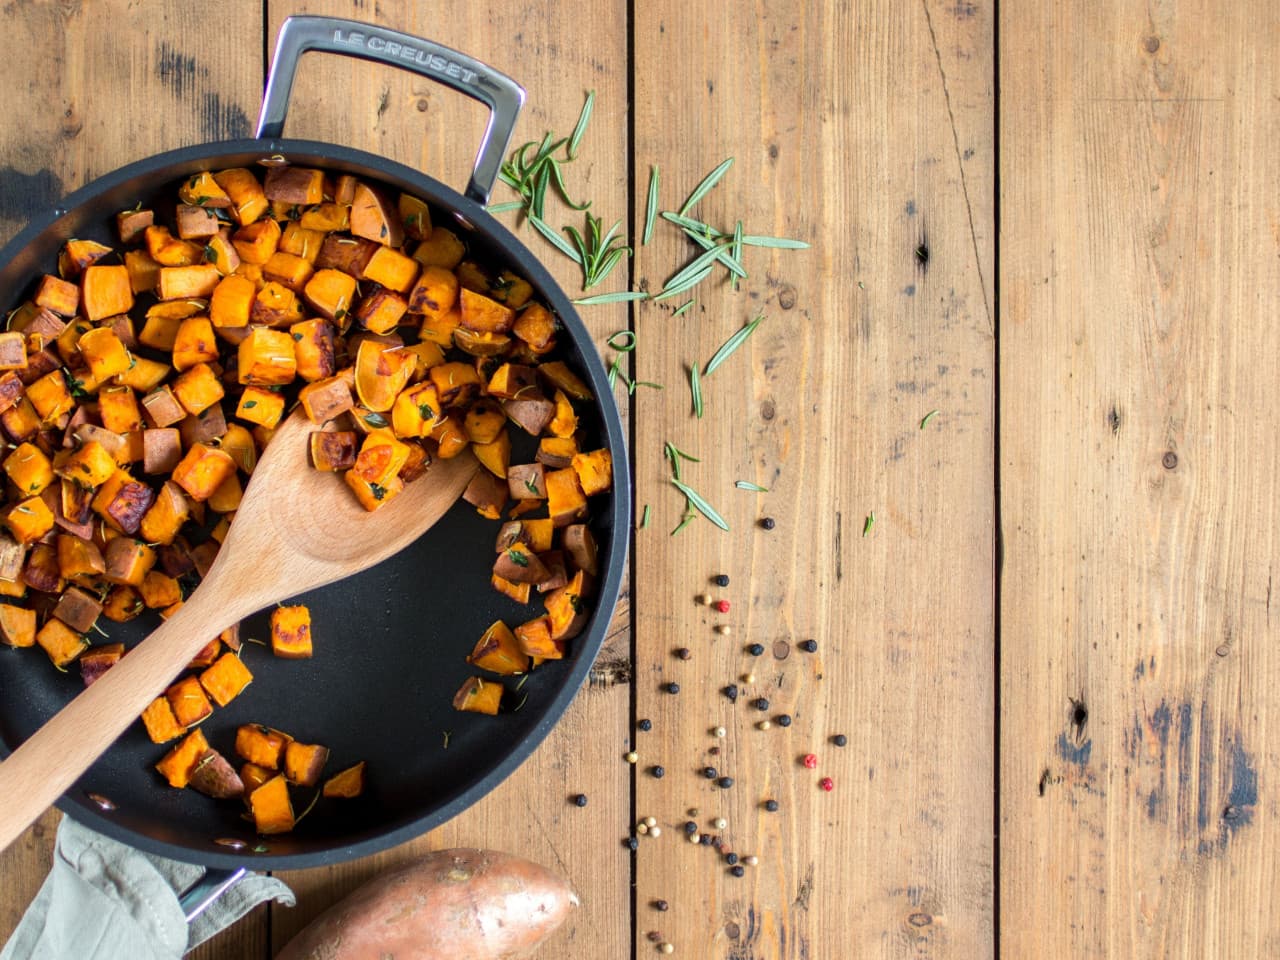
{"points": [[45, 765]]}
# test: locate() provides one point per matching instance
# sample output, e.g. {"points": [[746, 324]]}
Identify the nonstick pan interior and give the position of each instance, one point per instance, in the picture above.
{"points": [[389, 643]]}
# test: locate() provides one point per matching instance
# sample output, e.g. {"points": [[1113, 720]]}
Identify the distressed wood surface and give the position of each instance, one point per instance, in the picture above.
{"points": [[865, 131], [1139, 465]]}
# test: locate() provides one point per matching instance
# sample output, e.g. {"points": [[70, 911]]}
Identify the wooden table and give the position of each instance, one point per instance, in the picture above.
{"points": [[1053, 653]]}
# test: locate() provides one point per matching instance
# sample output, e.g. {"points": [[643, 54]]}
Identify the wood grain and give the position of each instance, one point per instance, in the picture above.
{"points": [[1139, 467], [416, 121], [869, 135]]}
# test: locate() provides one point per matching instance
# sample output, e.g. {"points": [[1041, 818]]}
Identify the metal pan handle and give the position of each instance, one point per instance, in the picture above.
{"points": [[502, 95]]}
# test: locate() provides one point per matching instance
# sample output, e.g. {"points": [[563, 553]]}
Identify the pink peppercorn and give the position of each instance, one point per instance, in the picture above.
{"points": [[722, 606], [810, 760], [827, 784]]}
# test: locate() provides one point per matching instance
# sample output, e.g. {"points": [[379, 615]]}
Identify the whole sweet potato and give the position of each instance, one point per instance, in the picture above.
{"points": [[454, 904]]}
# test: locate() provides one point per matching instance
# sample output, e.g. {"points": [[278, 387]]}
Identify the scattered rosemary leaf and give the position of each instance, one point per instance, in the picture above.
{"points": [[684, 456], [692, 225], [869, 523], [735, 252], [523, 679], [927, 417], [575, 139], [709, 181], [695, 387], [683, 307], [693, 281], [701, 505], [523, 701], [733, 343], [622, 341], [692, 268], [623, 296], [447, 735], [505, 207], [652, 210], [748, 485], [644, 517], [777, 243], [688, 518], [646, 383], [555, 239]]}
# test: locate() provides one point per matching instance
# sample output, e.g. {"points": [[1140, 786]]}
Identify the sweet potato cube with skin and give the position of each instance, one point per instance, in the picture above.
{"points": [[537, 534], [90, 466], [484, 421], [275, 306], [131, 224], [375, 217], [188, 701], [161, 523], [348, 783], [144, 272], [304, 762], [291, 632], [301, 242], [253, 776], [595, 471], [557, 573], [392, 269], [266, 358], [159, 590], [381, 311], [519, 564], [533, 414], [455, 382], [58, 295], [262, 746], [118, 408], [380, 458], [534, 639], [196, 281], [325, 400], [238, 443], [449, 436], [495, 456], [381, 374], [559, 375], [329, 293], [41, 571], [373, 495], [161, 451], [298, 186], [78, 557], [128, 561], [527, 482], [195, 223], [207, 654], [537, 327], [202, 470], [12, 556], [60, 642], [487, 494], [197, 388], [222, 255], [248, 200], [50, 396], [313, 349], [566, 501], [261, 406], [334, 451], [96, 661], [225, 680], [106, 291], [204, 428], [201, 190], [178, 763], [17, 625], [580, 544], [478, 696], [347, 254], [288, 270], [29, 469], [565, 423], [11, 390], [122, 501], [232, 301], [78, 610], [213, 776], [483, 315], [28, 520], [498, 652], [441, 249], [13, 351], [122, 604], [415, 216], [170, 251], [563, 605], [195, 343], [272, 811]]}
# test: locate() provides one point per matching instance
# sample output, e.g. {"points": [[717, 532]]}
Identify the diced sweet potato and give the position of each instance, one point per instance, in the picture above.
{"points": [[194, 343], [178, 763], [347, 783], [254, 776], [202, 470], [169, 251], [301, 186], [595, 471], [198, 280], [17, 625], [12, 557], [392, 269], [484, 421], [130, 224], [329, 293], [207, 655], [169, 511], [537, 327], [261, 406], [565, 423], [534, 638], [248, 200], [205, 427], [442, 248], [519, 592], [327, 217], [559, 375], [487, 493], [196, 389], [271, 808], [498, 652], [381, 311], [261, 745], [373, 495], [288, 270], [78, 610], [301, 242], [128, 561], [374, 217], [496, 455], [226, 497], [105, 291], [415, 215], [58, 295], [195, 223], [122, 604], [90, 466], [564, 604], [50, 396], [566, 501], [527, 481], [380, 374], [213, 776], [161, 451], [13, 350], [232, 301], [201, 190], [519, 564], [190, 705], [557, 572], [484, 315], [313, 348], [440, 329], [225, 680], [275, 306], [60, 642], [159, 590], [122, 501], [96, 661], [333, 451], [348, 254], [304, 762], [477, 695], [118, 409], [41, 570], [326, 399], [291, 632], [28, 520], [266, 358], [162, 726], [29, 469], [581, 546]]}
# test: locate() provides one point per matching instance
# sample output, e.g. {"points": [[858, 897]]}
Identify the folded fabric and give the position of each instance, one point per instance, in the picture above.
{"points": [[104, 900]]}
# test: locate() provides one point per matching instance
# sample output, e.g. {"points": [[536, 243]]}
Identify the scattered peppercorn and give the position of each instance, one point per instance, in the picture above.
{"points": [[731, 691], [725, 782], [714, 751], [724, 629], [722, 580], [673, 687], [654, 935], [709, 772], [646, 725], [705, 839], [719, 731], [810, 760], [719, 823], [764, 725], [827, 784], [658, 772], [756, 649], [767, 523], [690, 827], [731, 858], [706, 600], [684, 653], [751, 861], [784, 720], [661, 906], [839, 739], [655, 832], [632, 757], [633, 843], [771, 806], [667, 947], [580, 799], [761, 703], [808, 646], [737, 871], [722, 606]]}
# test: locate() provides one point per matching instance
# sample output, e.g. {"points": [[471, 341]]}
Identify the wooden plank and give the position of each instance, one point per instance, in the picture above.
{"points": [[93, 87], [868, 134], [1139, 467], [414, 120]]}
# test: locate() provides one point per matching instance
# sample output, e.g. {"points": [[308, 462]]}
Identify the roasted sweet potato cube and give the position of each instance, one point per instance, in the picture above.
{"points": [[455, 382], [564, 604], [375, 217], [484, 315], [261, 745], [105, 291], [198, 280], [580, 544], [301, 242], [213, 776], [159, 590], [329, 293], [415, 216], [41, 570], [78, 610], [334, 450], [122, 501], [266, 358], [189, 703], [194, 343], [527, 481], [102, 350], [275, 306], [12, 556], [534, 639], [347, 254], [477, 695], [373, 495], [178, 763], [221, 253], [161, 523], [122, 604], [300, 186], [288, 270], [347, 783], [226, 679], [261, 406], [565, 423], [232, 301], [557, 571], [440, 329], [327, 217], [519, 564], [226, 498], [50, 396], [380, 374], [29, 469], [533, 414], [498, 652], [58, 295], [201, 190], [291, 632], [60, 642], [313, 349], [128, 561], [519, 592], [16, 410], [161, 451], [13, 350], [415, 411], [381, 310], [28, 520], [435, 293], [197, 388], [392, 269], [202, 470], [537, 327], [272, 811], [207, 654], [130, 224], [257, 241], [160, 723], [326, 399], [595, 471], [239, 444], [442, 248], [96, 661], [380, 458], [254, 776], [170, 251], [159, 332], [17, 625], [484, 421], [144, 272], [248, 200], [90, 465], [559, 375], [566, 501], [118, 409], [304, 762], [496, 455], [487, 493], [195, 223]]}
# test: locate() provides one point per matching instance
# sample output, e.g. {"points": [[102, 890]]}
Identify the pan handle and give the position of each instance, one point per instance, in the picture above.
{"points": [[502, 95], [201, 894]]}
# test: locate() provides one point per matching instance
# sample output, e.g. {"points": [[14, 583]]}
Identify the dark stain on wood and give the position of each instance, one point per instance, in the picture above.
{"points": [[1074, 753], [805, 890], [1079, 719], [839, 546], [1243, 796], [24, 196], [1113, 419], [608, 673], [184, 78]]}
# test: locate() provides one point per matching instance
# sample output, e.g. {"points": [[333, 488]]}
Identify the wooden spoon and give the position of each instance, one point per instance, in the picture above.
{"points": [[296, 529]]}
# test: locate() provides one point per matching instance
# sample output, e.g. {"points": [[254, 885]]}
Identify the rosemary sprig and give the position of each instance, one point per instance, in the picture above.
{"points": [[554, 238], [671, 291], [598, 254], [700, 504], [652, 210], [624, 341], [733, 343], [777, 243]]}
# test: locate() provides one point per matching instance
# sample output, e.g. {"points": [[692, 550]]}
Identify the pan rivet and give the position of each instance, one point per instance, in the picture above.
{"points": [[231, 842], [103, 802]]}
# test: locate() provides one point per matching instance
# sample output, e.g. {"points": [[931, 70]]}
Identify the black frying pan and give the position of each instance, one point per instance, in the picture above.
{"points": [[391, 642]]}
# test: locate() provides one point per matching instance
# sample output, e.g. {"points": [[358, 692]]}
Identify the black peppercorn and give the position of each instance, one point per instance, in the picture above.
{"points": [[684, 653], [580, 799], [767, 523], [760, 703], [709, 773], [661, 905], [839, 739], [771, 806], [705, 840], [673, 687], [784, 720], [722, 580], [755, 649], [808, 646], [731, 858], [725, 782], [633, 843], [690, 827], [645, 725], [737, 871], [658, 772], [731, 691]]}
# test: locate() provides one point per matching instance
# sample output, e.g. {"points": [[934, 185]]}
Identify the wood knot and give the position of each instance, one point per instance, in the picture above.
{"points": [[1170, 460], [920, 919], [1151, 44], [422, 106], [781, 649], [787, 297], [767, 410], [732, 930]]}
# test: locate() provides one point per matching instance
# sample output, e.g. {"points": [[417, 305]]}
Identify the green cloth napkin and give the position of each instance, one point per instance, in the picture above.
{"points": [[104, 900]]}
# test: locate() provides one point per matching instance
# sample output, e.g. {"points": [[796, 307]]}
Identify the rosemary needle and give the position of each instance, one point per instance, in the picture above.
{"points": [[733, 343], [652, 210]]}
